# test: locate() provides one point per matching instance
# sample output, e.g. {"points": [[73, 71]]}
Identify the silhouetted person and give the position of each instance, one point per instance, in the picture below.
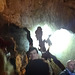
{"points": [[45, 53], [48, 41], [37, 67], [39, 34]]}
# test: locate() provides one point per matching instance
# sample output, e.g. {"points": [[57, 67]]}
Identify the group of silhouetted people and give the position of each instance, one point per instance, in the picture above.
{"points": [[36, 65]]}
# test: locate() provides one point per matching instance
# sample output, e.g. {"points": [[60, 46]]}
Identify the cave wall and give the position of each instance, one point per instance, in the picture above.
{"points": [[29, 13], [12, 34]]}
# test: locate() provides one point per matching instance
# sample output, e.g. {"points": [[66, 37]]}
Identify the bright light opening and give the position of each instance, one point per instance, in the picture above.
{"points": [[61, 40], [46, 32]]}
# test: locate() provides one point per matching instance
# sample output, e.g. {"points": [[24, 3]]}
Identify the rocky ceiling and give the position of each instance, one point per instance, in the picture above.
{"points": [[29, 13]]}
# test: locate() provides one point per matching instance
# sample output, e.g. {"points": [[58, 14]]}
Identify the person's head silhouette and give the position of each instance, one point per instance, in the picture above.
{"points": [[39, 33]]}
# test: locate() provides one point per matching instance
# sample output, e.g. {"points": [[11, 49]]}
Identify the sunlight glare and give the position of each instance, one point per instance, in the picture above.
{"points": [[46, 31], [61, 39]]}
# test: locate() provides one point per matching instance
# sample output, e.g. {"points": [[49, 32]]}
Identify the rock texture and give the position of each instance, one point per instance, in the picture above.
{"points": [[15, 15], [28, 13]]}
